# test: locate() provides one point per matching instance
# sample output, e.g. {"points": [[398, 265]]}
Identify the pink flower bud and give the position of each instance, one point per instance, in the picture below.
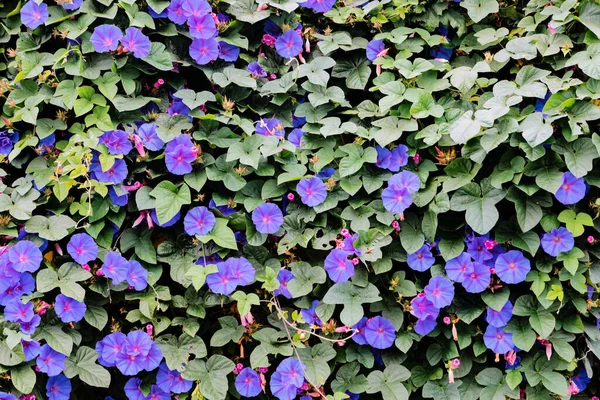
{"points": [[355, 261], [340, 244], [447, 320], [263, 370], [290, 196], [86, 267], [490, 244], [58, 249], [272, 76], [149, 329], [342, 329], [454, 333], [195, 150], [590, 239], [262, 7], [139, 219], [551, 28], [573, 389], [511, 357], [492, 271], [455, 363], [139, 145], [159, 83], [345, 232], [307, 46], [340, 343], [548, 350], [417, 158], [304, 386], [100, 272], [42, 307], [238, 368], [396, 225], [450, 376], [136, 185]]}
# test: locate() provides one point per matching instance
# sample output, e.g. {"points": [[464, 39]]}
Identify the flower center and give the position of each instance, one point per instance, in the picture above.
{"points": [[566, 187], [512, 265]]}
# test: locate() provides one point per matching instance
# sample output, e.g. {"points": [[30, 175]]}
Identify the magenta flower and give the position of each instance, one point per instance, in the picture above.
{"points": [[247, 383], [172, 381], [68, 309], [16, 311], [338, 267], [25, 256], [202, 27], [380, 332], [106, 38], [312, 191], [374, 47], [396, 199], [310, 314], [115, 267], [423, 308], [405, 180], [151, 141], [222, 281], [512, 267], [267, 218], [359, 336], [500, 318], [58, 388], [179, 155], [478, 280], [175, 12], [50, 362], [478, 250], [571, 190], [137, 276], [136, 42], [440, 291], [196, 8], [228, 52], [82, 248], [115, 174], [458, 268], [497, 340], [321, 6], [270, 127], [34, 14], [284, 277], [199, 221], [421, 260], [424, 326], [204, 51], [558, 240], [289, 44]]}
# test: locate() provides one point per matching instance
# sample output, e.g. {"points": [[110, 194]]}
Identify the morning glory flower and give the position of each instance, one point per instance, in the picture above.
{"points": [[359, 335], [7, 140], [179, 155], [106, 38], [50, 362], [312, 191], [247, 383], [267, 218], [422, 259], [284, 277], [422, 308], [199, 221], [571, 190], [476, 248], [270, 127], [7, 396], [398, 158], [82, 248], [29, 327], [380, 332], [383, 157], [374, 48], [156, 393], [170, 222], [478, 280], [512, 267], [136, 42], [499, 318], [204, 51], [255, 69], [228, 52], [424, 326], [296, 137], [58, 388], [138, 353], [405, 180], [321, 6], [68, 309], [115, 174], [292, 370], [133, 389], [202, 27], [117, 142], [458, 268], [396, 199], [172, 381], [137, 276], [440, 291], [109, 348], [310, 314], [241, 270], [115, 267], [222, 281], [147, 132], [25, 256], [34, 14], [17, 311], [497, 340], [31, 349], [73, 5], [289, 44], [175, 12], [338, 267], [195, 8], [558, 240]]}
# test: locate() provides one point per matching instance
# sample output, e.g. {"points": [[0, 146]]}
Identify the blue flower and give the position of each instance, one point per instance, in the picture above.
{"points": [[558, 240], [289, 44], [310, 314], [82, 248], [267, 218], [380, 332], [255, 69], [374, 48], [571, 190], [459, 268], [284, 277], [338, 267], [58, 388], [34, 14], [422, 259], [440, 291], [115, 267], [172, 381], [247, 383], [50, 362], [105, 38], [497, 340], [8, 139], [478, 280], [198, 221], [228, 52], [68, 309], [500, 318], [512, 267]]}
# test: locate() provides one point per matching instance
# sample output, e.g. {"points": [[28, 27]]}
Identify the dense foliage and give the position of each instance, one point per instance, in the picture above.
{"points": [[312, 199]]}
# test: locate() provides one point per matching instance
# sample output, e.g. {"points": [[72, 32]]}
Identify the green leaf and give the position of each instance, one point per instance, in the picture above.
{"points": [[479, 204], [169, 127], [305, 277], [575, 222], [96, 316], [589, 15], [159, 57], [352, 297], [230, 332], [123, 103], [356, 70], [23, 378], [53, 228], [169, 200], [479, 9], [84, 365], [496, 300], [315, 360], [389, 382], [221, 234], [57, 339]]}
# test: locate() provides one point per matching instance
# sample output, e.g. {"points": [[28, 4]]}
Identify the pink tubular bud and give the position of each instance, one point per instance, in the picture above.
{"points": [[262, 7], [307, 46], [42, 308], [263, 370], [548, 350], [551, 28], [238, 368], [136, 185], [396, 225], [139, 219], [511, 357], [490, 244], [58, 249], [149, 220], [100, 272], [149, 329], [378, 69], [417, 158], [342, 329], [573, 389], [139, 145], [340, 343], [86, 267], [454, 333], [195, 150], [450, 376], [302, 60]]}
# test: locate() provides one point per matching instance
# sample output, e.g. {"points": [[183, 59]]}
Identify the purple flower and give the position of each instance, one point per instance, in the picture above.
{"points": [[383, 157], [458, 268], [292, 370], [422, 259], [558, 240], [179, 155], [312, 191], [199, 221], [73, 5], [425, 325], [476, 248], [172, 381], [137, 276], [338, 267], [68, 309], [228, 52], [115, 267], [512, 267], [225, 210], [405, 180], [571, 190], [196, 8], [374, 48], [241, 270], [296, 137], [398, 158], [7, 396], [31, 349], [34, 14], [359, 336], [267, 218], [310, 314], [175, 12], [117, 141], [16, 311], [109, 348], [422, 308], [500, 318], [497, 340], [82, 248], [222, 281], [289, 44], [204, 51], [440, 291], [138, 353], [478, 280], [247, 383], [156, 393], [136, 42], [170, 222], [50, 362], [395, 199], [106, 38], [581, 380], [284, 276], [115, 174], [321, 6], [202, 27], [133, 389], [270, 127], [147, 132], [8, 139], [380, 332], [29, 327], [255, 69], [25, 256], [58, 388]]}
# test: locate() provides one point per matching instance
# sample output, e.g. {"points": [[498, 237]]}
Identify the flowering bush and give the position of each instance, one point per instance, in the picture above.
{"points": [[299, 199]]}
